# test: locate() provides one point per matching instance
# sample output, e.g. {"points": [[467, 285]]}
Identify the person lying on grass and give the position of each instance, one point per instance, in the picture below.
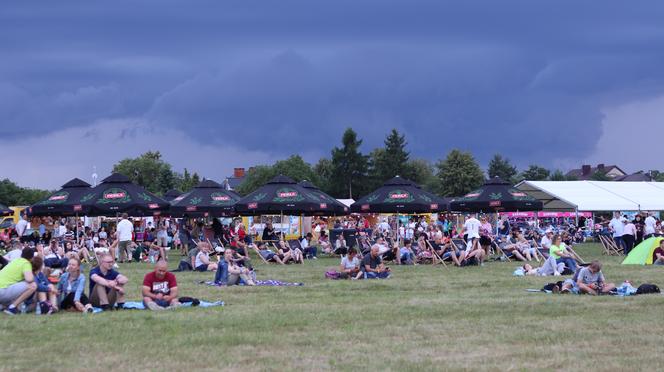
{"points": [[591, 280], [107, 285], [549, 267], [70, 289], [372, 266], [203, 262], [160, 288]]}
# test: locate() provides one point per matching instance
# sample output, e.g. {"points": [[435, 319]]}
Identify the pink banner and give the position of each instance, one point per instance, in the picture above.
{"points": [[545, 214]]}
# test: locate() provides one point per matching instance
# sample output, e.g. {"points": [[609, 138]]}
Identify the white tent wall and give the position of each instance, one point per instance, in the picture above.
{"points": [[592, 196]]}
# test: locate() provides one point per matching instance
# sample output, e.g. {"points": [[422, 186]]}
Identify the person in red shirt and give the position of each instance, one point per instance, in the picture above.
{"points": [[160, 289], [658, 254]]}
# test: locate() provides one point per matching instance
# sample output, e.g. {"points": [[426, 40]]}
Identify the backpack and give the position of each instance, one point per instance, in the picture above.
{"points": [[332, 274], [647, 289]]}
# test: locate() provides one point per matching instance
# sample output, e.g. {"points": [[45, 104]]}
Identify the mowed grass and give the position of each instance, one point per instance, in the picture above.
{"points": [[423, 318]]}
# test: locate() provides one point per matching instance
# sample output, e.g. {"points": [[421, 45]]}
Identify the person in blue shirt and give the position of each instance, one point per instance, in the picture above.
{"points": [[107, 285], [71, 287]]}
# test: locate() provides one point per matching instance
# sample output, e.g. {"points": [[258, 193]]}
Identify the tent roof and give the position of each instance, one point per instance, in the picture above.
{"points": [[596, 195]]}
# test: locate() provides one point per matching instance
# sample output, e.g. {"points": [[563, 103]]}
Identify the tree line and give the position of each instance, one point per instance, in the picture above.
{"points": [[346, 173]]}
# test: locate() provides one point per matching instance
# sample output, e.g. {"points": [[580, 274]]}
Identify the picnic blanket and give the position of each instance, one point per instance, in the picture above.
{"points": [[622, 291], [138, 305], [261, 283]]}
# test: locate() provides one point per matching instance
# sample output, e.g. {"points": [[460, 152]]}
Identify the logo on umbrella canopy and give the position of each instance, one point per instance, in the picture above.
{"points": [[397, 196], [287, 195], [115, 195], [219, 198], [252, 205], [57, 198]]}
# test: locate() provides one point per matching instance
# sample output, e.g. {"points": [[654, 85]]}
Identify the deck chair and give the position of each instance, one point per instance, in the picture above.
{"points": [[503, 253], [575, 255], [258, 253], [610, 247], [541, 250], [436, 257]]}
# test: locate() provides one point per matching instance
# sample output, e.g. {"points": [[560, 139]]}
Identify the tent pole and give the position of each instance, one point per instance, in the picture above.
{"points": [[576, 213]]}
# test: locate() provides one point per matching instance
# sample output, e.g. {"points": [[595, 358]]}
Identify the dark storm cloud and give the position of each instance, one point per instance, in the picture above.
{"points": [[516, 77]]}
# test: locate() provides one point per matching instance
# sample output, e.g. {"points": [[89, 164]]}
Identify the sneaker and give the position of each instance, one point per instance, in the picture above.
{"points": [[315, 258], [153, 306], [11, 311], [89, 311]]}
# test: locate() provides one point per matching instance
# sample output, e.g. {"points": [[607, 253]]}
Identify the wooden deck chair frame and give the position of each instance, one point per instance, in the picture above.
{"points": [[434, 254], [610, 247], [502, 253]]}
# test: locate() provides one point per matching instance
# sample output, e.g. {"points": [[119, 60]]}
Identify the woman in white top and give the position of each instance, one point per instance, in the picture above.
{"points": [[629, 235], [203, 258], [350, 265]]}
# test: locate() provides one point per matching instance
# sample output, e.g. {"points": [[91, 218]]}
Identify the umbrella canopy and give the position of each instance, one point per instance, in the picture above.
{"points": [[117, 194], [5, 211], [496, 195], [208, 198], [282, 196], [172, 194], [333, 204], [64, 202], [399, 195], [642, 253]]}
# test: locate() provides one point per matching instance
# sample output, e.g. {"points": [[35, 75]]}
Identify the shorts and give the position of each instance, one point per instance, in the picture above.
{"points": [[68, 301], [123, 245], [11, 293], [485, 240], [574, 288], [471, 262], [268, 256], [162, 241], [202, 268]]}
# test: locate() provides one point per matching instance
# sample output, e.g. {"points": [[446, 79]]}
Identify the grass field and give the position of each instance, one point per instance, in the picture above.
{"points": [[423, 318]]}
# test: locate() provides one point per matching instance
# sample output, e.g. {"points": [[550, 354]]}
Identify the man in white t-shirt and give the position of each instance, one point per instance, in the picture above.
{"points": [[546, 240], [124, 234], [617, 227], [471, 230], [21, 227], [649, 228]]}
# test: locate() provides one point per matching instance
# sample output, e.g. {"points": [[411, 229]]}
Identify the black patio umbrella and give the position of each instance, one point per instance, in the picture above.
{"points": [[399, 195], [337, 208], [64, 202], [208, 198], [172, 194], [282, 196], [117, 194], [5, 211], [496, 195]]}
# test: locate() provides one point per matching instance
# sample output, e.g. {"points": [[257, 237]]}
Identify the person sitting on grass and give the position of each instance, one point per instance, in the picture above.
{"points": [[591, 280], [340, 247], [473, 254], [406, 254], [350, 265], [107, 285], [324, 243], [71, 287], [372, 266], [560, 254], [160, 288], [268, 255], [309, 249], [17, 282], [284, 251], [46, 294], [240, 246], [156, 252], [203, 262], [658, 254]]}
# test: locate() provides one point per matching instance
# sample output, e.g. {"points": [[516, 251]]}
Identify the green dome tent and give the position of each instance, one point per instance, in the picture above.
{"points": [[642, 253]]}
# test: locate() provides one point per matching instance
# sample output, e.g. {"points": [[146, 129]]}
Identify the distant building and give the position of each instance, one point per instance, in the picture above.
{"points": [[613, 172], [232, 183], [586, 172]]}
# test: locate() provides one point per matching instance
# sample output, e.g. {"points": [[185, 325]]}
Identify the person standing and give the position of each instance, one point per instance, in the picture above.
{"points": [[638, 223], [617, 227], [471, 230], [124, 233], [649, 226], [22, 227], [629, 236]]}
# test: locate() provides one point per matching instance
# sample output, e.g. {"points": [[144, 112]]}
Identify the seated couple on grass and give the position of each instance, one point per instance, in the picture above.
{"points": [[587, 280], [370, 267]]}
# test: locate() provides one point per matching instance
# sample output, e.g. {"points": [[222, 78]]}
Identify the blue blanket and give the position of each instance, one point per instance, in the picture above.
{"points": [[136, 305], [262, 283]]}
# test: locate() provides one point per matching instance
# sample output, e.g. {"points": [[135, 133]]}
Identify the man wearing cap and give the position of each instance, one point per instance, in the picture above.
{"points": [[546, 239]]}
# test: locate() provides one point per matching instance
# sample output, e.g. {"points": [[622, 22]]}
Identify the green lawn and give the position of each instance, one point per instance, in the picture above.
{"points": [[423, 318]]}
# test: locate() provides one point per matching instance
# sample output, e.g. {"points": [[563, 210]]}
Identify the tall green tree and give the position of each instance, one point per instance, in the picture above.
{"points": [[393, 161], [12, 194], [148, 170], [459, 173], [500, 166], [535, 173], [423, 174], [323, 170], [349, 167], [294, 167]]}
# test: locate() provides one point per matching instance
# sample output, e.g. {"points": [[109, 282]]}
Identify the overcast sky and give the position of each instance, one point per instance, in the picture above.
{"points": [[215, 85]]}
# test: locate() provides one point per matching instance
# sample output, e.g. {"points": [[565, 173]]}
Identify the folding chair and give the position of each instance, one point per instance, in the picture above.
{"points": [[610, 247], [436, 257]]}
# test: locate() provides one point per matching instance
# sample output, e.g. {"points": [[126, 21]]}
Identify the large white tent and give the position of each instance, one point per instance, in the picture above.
{"points": [[592, 196]]}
